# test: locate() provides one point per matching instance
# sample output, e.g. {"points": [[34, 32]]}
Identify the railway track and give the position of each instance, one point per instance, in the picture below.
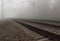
{"points": [[54, 24], [32, 34], [42, 26], [43, 30], [19, 30]]}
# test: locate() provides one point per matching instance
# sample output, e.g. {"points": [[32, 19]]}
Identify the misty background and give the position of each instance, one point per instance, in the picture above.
{"points": [[30, 9]]}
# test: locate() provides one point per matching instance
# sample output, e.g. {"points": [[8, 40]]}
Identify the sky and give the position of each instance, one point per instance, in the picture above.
{"points": [[31, 9]]}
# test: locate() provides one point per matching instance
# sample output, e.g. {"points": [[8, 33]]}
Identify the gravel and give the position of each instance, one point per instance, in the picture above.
{"points": [[11, 32]]}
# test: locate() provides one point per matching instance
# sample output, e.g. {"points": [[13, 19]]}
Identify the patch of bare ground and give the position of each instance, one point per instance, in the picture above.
{"points": [[11, 32]]}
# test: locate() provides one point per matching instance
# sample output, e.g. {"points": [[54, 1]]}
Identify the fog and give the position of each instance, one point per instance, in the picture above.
{"points": [[31, 9]]}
